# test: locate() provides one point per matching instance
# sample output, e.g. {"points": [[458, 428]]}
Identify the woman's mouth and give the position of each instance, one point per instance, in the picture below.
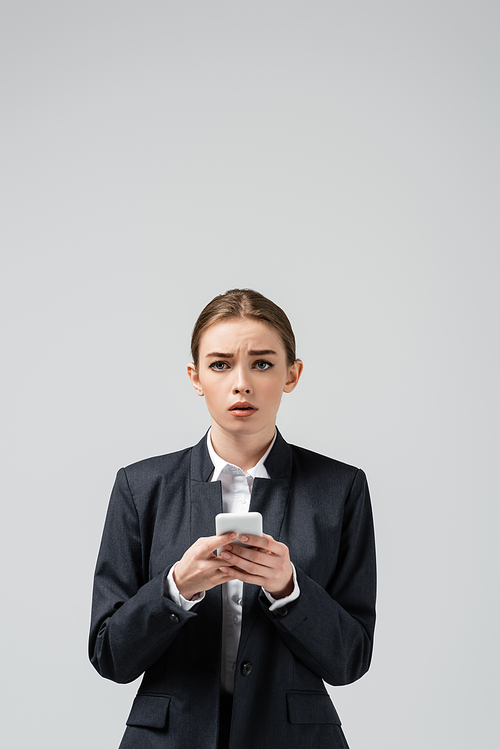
{"points": [[242, 408]]}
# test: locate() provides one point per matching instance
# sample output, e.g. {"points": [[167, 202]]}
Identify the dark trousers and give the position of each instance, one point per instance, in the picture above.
{"points": [[226, 708]]}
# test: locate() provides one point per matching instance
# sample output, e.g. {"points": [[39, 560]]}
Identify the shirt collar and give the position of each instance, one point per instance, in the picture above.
{"points": [[220, 465]]}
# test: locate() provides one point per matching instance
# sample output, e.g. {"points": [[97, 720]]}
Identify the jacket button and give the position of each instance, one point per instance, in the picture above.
{"points": [[283, 611], [173, 618], [246, 668]]}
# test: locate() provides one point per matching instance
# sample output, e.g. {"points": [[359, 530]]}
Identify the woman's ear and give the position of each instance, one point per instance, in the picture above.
{"points": [[193, 376], [293, 376]]}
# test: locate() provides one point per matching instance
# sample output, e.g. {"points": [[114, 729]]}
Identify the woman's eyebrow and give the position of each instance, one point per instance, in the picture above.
{"points": [[264, 352]]}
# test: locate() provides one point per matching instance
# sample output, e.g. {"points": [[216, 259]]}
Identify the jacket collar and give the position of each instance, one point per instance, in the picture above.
{"points": [[278, 463]]}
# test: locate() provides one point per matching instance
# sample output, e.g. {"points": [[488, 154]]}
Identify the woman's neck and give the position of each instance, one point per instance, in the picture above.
{"points": [[242, 450]]}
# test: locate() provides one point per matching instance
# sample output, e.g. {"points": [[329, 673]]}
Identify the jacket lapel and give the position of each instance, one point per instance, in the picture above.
{"points": [[206, 495], [206, 503], [269, 497]]}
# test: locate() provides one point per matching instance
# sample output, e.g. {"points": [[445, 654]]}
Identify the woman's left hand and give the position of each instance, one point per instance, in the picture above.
{"points": [[266, 563]]}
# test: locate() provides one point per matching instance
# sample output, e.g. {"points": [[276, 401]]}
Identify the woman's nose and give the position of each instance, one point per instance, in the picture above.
{"points": [[241, 383]]}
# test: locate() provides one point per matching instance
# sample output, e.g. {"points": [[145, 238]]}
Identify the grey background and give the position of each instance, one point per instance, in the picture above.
{"points": [[343, 159]]}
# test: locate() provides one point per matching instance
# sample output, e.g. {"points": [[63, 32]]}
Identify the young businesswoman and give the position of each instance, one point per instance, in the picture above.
{"points": [[234, 647]]}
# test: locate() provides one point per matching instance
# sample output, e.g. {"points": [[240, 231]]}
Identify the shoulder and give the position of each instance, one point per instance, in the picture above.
{"points": [[304, 457], [324, 468], [158, 466], [326, 479]]}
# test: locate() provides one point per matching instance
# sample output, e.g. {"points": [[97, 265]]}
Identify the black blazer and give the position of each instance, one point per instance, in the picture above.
{"points": [[321, 509]]}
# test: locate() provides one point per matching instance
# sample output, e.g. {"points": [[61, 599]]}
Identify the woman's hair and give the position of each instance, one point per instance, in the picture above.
{"points": [[244, 303]]}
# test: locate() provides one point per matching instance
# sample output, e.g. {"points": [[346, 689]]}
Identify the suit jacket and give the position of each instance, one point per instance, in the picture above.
{"points": [[321, 509]]}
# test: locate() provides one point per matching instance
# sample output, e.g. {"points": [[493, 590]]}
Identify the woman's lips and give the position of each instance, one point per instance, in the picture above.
{"points": [[243, 409]]}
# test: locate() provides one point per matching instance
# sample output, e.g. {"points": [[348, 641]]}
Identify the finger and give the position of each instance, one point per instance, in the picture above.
{"points": [[231, 573], [275, 547], [256, 556], [236, 574], [260, 542], [215, 542], [224, 575], [254, 563], [216, 561]]}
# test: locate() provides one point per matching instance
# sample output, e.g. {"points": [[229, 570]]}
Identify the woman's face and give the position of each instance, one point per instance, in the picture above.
{"points": [[243, 372]]}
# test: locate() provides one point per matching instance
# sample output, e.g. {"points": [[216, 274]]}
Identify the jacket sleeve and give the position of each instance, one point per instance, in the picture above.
{"points": [[133, 620], [331, 630]]}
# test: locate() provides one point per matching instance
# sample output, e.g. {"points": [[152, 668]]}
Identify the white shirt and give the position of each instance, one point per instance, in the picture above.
{"points": [[236, 493]]}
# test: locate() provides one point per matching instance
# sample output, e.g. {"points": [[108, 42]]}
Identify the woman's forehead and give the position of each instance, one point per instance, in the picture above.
{"points": [[227, 336]]}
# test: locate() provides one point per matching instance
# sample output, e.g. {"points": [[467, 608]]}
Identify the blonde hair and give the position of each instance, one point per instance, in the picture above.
{"points": [[244, 303]]}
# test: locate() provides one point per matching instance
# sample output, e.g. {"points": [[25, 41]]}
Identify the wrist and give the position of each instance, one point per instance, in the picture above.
{"points": [[181, 587], [284, 592]]}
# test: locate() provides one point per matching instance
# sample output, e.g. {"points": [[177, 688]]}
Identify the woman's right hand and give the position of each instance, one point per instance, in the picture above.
{"points": [[199, 570]]}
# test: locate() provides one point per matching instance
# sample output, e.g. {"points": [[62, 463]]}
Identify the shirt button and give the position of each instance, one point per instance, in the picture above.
{"points": [[239, 601], [235, 619], [246, 668]]}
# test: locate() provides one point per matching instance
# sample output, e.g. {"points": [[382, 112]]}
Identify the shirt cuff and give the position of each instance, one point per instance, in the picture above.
{"points": [[173, 592], [277, 603]]}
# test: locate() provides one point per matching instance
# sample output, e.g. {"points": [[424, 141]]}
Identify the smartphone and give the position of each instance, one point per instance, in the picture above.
{"points": [[244, 522]]}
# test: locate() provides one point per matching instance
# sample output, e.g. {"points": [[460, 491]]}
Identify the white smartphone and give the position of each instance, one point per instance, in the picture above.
{"points": [[244, 522]]}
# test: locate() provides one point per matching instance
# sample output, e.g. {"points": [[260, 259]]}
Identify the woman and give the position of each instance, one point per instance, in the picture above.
{"points": [[234, 646]]}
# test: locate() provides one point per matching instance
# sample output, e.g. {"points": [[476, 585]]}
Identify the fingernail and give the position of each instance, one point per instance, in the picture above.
{"points": [[244, 538], [226, 556], [228, 547], [233, 535]]}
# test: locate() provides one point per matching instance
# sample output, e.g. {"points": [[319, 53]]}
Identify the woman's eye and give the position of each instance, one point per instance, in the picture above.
{"points": [[263, 365], [219, 366]]}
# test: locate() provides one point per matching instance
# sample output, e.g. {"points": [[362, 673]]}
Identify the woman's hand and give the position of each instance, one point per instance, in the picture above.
{"points": [[266, 564], [199, 570]]}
